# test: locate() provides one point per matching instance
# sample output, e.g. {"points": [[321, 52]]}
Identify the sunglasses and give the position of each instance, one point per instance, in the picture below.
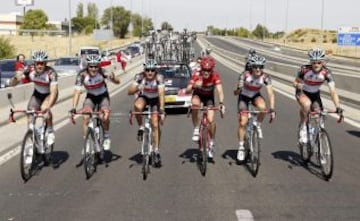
{"points": [[258, 66], [92, 66], [150, 70], [40, 63], [316, 62]]}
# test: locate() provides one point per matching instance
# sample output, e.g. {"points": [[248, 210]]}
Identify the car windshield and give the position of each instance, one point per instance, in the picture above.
{"points": [[67, 61], [7, 65], [175, 72], [90, 51]]}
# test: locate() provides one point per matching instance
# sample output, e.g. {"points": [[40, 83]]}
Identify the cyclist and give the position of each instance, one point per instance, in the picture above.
{"points": [[149, 85], [45, 92], [307, 83], [251, 53], [93, 79], [248, 90], [202, 85]]}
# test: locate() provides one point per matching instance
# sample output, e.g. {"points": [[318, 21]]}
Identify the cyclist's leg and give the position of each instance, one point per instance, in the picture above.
{"points": [[243, 119], [195, 102], [305, 103], [44, 104], [104, 105], [154, 103], [88, 106], [316, 102], [259, 102], [209, 102], [139, 105], [34, 104]]}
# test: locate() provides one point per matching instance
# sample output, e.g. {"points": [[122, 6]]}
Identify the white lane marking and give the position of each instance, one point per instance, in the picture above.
{"points": [[244, 215], [15, 151]]}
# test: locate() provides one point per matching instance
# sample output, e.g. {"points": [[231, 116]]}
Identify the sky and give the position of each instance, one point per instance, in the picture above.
{"points": [[195, 15]]}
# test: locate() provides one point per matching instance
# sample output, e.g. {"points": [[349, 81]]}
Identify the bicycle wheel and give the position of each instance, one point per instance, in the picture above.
{"points": [[48, 152], [89, 154], [254, 152], [203, 145], [27, 158], [146, 153], [304, 148], [325, 154]]}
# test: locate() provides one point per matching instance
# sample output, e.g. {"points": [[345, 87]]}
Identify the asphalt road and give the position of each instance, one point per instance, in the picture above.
{"points": [[284, 189], [349, 83]]}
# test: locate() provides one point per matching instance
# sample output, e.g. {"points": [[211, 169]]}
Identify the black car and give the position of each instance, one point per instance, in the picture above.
{"points": [[176, 76]]}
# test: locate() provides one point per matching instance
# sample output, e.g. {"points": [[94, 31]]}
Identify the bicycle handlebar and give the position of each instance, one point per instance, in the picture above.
{"points": [[326, 112], [27, 112], [132, 113], [205, 108], [258, 112], [72, 115]]}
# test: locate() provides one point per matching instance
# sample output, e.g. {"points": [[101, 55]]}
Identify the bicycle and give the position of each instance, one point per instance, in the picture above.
{"points": [[34, 147], [204, 136], [318, 142], [252, 141], [147, 152], [93, 149]]}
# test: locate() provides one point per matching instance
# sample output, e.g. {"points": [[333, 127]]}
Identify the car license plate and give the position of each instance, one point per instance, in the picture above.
{"points": [[170, 99]]}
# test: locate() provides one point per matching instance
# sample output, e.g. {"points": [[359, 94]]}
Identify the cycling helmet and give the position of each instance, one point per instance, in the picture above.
{"points": [[252, 51], [93, 59], [205, 52], [207, 64], [150, 64], [257, 60], [316, 54], [40, 56]]}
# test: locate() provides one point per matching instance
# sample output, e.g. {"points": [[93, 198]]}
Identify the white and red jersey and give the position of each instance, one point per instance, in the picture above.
{"points": [[207, 84], [250, 84], [313, 80], [151, 87], [44, 80], [94, 85]]}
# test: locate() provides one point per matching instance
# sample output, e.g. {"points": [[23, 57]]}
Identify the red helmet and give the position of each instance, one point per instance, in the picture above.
{"points": [[207, 64]]}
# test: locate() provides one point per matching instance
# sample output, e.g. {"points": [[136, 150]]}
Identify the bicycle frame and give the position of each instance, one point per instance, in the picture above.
{"points": [[147, 141]]}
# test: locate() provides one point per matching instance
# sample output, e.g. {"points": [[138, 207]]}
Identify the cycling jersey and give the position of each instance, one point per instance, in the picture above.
{"points": [[207, 84], [94, 85], [150, 86], [44, 80], [312, 80], [250, 84]]}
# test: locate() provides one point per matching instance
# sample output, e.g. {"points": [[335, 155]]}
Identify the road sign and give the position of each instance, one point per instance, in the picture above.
{"points": [[348, 36], [348, 39], [24, 2]]}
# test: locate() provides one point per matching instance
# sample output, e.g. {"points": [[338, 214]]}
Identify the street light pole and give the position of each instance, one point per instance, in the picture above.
{"points": [[70, 29], [322, 14]]}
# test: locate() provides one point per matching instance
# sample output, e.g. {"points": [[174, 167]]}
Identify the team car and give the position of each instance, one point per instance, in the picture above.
{"points": [[176, 76]]}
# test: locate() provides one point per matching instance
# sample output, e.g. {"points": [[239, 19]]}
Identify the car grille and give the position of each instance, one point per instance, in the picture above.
{"points": [[171, 91], [176, 103]]}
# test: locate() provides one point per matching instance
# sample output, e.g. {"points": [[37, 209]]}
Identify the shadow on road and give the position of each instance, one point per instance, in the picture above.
{"points": [[137, 158], [295, 160], [58, 158], [354, 133], [190, 155]]}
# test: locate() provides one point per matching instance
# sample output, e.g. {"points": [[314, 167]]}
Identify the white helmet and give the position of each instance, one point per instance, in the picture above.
{"points": [[93, 59], [316, 54], [40, 56], [257, 60]]}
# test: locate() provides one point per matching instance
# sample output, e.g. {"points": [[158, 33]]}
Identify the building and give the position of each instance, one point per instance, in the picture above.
{"points": [[9, 23]]}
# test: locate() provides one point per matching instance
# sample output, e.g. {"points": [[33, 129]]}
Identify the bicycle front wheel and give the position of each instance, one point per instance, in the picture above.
{"points": [[89, 154], [254, 152], [325, 154], [204, 144], [145, 151], [27, 158]]}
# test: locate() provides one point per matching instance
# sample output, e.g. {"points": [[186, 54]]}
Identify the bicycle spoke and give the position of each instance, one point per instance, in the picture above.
{"points": [[325, 156], [89, 154], [27, 158]]}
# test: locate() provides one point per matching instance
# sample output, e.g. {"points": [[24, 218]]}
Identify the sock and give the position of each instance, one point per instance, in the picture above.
{"points": [[106, 134], [241, 144], [50, 129]]}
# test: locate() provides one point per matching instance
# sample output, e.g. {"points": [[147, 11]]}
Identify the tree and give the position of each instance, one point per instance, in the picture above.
{"points": [[7, 50], [260, 31], [121, 20], [141, 25], [80, 10], [166, 26], [92, 10], [35, 19]]}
